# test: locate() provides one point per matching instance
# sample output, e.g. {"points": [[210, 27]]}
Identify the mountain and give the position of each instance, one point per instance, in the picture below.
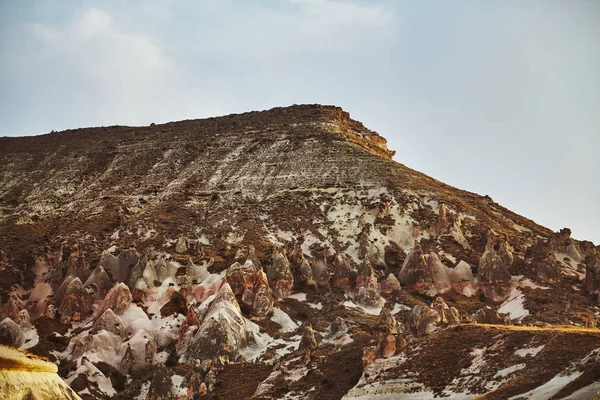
{"points": [[281, 254]]}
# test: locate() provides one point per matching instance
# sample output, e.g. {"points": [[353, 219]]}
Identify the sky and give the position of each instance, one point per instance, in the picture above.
{"points": [[498, 98]]}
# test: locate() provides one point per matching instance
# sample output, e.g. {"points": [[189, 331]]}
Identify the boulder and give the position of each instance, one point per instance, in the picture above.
{"points": [[319, 268], [416, 275], [280, 275], [462, 279], [11, 333], [367, 288], [389, 285], [110, 322], [448, 315], [24, 320], [98, 283], [304, 273], [341, 275], [76, 304], [308, 340], [422, 320]]}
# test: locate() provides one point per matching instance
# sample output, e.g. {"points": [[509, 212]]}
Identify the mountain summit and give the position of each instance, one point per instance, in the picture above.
{"points": [[281, 254]]}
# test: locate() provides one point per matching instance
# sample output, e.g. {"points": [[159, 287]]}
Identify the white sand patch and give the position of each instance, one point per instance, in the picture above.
{"points": [[283, 319], [368, 310], [513, 306], [503, 373], [548, 389], [298, 296], [531, 351]]}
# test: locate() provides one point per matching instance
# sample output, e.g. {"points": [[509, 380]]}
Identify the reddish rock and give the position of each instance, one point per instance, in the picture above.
{"points": [[76, 304], [118, 298], [305, 273], [262, 305], [389, 285], [341, 276], [369, 356], [280, 275]]}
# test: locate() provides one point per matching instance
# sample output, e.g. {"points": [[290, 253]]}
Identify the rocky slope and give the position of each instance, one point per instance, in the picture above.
{"points": [[281, 254]]}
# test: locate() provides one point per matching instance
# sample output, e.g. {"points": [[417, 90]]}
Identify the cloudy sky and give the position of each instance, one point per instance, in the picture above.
{"points": [[499, 98]]}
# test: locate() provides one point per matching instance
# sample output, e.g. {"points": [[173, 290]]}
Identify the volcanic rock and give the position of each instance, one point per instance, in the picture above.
{"points": [[415, 274], [493, 274], [439, 273], [76, 304], [110, 322], [118, 298], [11, 333], [367, 288], [262, 303], [319, 268], [341, 276], [389, 285], [280, 275], [422, 320], [308, 341], [98, 283], [223, 333]]}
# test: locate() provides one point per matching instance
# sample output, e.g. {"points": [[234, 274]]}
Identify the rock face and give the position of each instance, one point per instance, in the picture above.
{"points": [[423, 320]]}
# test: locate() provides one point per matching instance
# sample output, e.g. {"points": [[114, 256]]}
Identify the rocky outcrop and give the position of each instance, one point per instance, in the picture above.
{"points": [[592, 273], [77, 302], [304, 273], [11, 333], [389, 285], [319, 268], [222, 334], [308, 340], [462, 279], [448, 315], [98, 283], [118, 299], [280, 275], [367, 288], [439, 273], [415, 274], [494, 275], [262, 303], [423, 320], [341, 276], [109, 322]]}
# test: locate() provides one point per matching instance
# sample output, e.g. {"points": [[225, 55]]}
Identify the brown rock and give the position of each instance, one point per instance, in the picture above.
{"points": [[308, 341], [367, 288], [341, 276], [319, 268], [389, 285], [423, 320], [118, 299], [415, 274], [77, 302], [280, 275], [262, 305]]}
